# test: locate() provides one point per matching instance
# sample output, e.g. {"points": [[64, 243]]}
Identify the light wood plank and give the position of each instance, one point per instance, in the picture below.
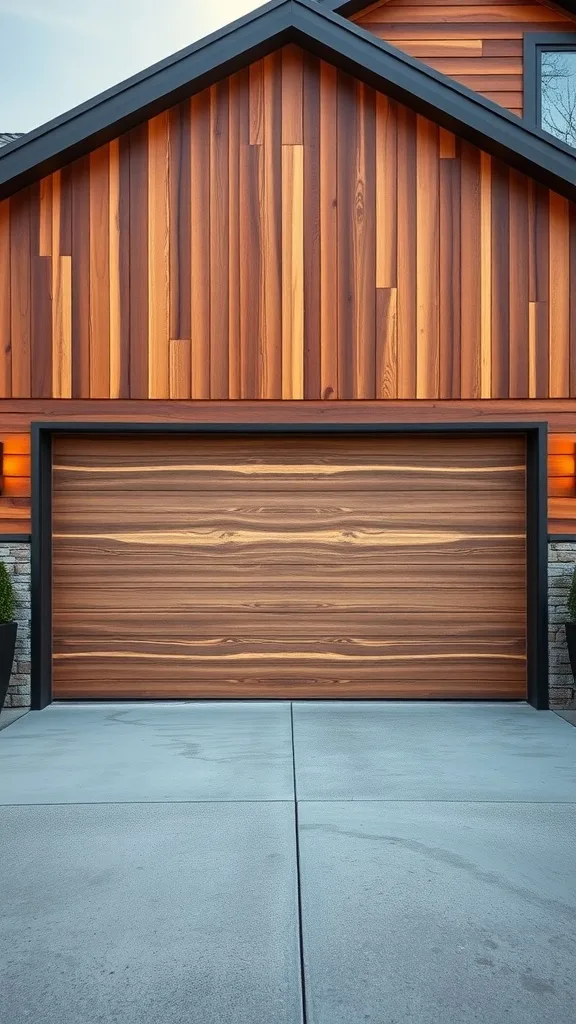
{"points": [[292, 271], [485, 276], [179, 368]]}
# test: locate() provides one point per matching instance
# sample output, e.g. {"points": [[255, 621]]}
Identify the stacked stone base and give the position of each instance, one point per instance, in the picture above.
{"points": [[561, 565], [16, 556]]}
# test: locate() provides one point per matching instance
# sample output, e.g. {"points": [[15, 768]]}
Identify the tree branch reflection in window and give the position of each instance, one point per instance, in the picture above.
{"points": [[558, 94]]}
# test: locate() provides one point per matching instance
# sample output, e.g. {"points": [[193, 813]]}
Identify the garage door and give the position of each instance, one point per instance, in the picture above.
{"points": [[289, 566]]}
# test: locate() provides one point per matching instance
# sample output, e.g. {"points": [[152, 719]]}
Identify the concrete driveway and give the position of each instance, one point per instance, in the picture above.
{"points": [[156, 868]]}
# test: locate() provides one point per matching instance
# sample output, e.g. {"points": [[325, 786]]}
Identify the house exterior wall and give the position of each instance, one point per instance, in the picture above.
{"points": [[479, 44], [290, 246], [287, 234]]}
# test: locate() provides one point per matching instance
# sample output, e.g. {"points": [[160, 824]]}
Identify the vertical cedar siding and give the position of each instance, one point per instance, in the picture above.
{"points": [[40, 299], [80, 191], [470, 316], [202, 197], [500, 211], [20, 288], [312, 288], [288, 233], [218, 243], [347, 115], [126, 297], [139, 298], [180, 222]]}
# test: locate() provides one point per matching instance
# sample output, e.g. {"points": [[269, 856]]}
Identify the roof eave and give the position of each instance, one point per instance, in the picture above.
{"points": [[347, 8]]}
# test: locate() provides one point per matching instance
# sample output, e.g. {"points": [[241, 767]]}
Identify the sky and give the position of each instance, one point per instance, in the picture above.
{"points": [[55, 54]]}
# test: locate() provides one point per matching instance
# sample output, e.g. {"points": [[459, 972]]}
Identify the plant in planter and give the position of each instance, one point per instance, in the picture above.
{"points": [[7, 631], [571, 624]]}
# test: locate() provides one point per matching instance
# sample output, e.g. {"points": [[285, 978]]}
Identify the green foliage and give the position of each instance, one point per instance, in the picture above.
{"points": [[572, 599], [7, 599]]}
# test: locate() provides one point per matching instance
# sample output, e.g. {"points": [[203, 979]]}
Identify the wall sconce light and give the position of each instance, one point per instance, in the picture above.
{"points": [[1, 467]]}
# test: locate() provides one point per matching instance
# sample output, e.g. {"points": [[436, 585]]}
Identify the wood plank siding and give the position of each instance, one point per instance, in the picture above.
{"points": [[287, 236], [285, 566], [477, 44]]}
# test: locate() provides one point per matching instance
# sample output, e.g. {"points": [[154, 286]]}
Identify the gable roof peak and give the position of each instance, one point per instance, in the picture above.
{"points": [[329, 36]]}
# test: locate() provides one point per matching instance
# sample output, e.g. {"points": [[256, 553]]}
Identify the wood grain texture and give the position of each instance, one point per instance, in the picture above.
{"points": [[378, 258], [311, 566], [274, 261], [99, 273], [200, 244], [158, 257], [478, 44]]}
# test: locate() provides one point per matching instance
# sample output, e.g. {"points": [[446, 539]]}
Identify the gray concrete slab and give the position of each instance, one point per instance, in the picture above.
{"points": [[568, 716], [9, 715], [419, 751], [148, 752], [439, 913], [174, 914]]}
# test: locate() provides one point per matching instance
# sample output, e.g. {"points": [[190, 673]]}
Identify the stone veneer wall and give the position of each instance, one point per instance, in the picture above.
{"points": [[16, 556], [561, 565]]}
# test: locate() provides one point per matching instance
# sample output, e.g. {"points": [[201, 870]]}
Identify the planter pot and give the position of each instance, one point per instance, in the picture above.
{"points": [[7, 645], [571, 641]]}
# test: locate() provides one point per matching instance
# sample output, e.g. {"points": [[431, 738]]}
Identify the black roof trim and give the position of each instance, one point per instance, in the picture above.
{"points": [[347, 8], [331, 37]]}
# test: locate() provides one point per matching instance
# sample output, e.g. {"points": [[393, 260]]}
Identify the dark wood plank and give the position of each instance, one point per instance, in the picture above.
{"points": [[346, 131], [218, 242], [500, 278], [470, 358], [312, 288], [124, 262], [519, 286], [406, 266], [20, 289], [180, 222], [449, 276], [138, 367]]}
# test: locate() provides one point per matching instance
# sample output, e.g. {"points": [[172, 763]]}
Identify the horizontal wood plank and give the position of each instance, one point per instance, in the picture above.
{"points": [[283, 565]]}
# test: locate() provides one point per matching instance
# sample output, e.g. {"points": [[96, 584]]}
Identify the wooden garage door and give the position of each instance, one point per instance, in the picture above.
{"points": [[289, 566]]}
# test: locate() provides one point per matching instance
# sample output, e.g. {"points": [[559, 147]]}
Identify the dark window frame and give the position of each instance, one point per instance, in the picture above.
{"points": [[534, 44]]}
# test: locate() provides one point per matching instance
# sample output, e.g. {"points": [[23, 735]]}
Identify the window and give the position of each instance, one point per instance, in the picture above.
{"points": [[550, 84]]}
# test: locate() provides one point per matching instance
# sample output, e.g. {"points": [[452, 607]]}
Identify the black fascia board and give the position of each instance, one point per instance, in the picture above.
{"points": [[347, 8], [331, 37]]}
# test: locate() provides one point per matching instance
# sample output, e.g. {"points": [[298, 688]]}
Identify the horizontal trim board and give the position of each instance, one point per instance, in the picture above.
{"points": [[562, 538], [116, 427], [15, 538]]}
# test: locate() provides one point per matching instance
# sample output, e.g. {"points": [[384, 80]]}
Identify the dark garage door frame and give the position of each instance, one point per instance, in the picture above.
{"points": [[536, 522]]}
